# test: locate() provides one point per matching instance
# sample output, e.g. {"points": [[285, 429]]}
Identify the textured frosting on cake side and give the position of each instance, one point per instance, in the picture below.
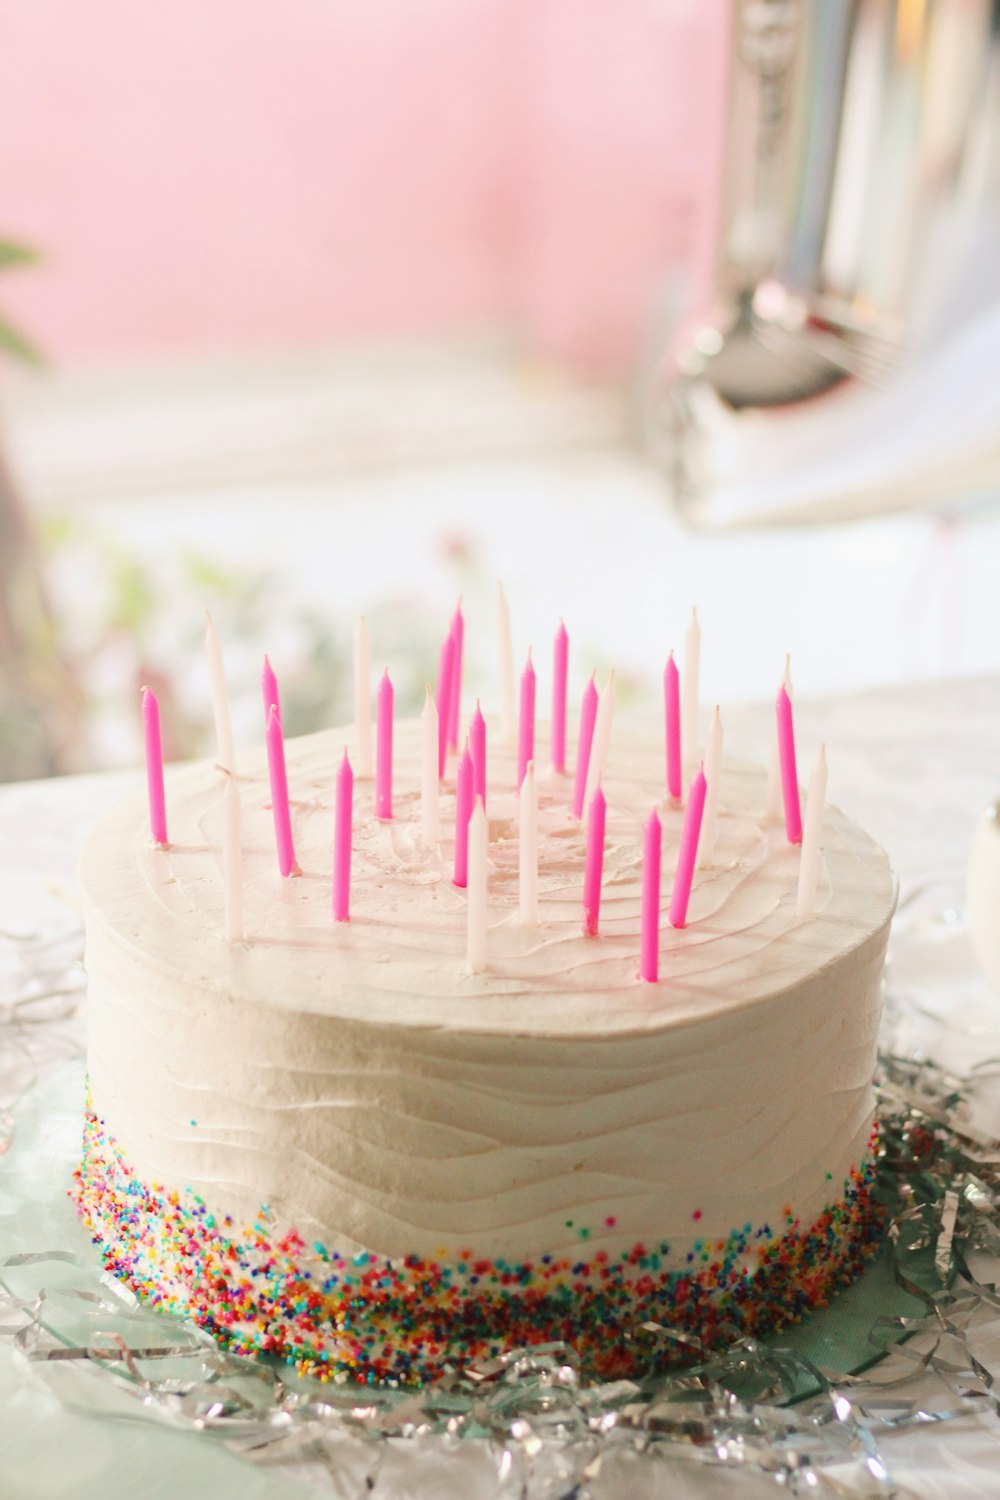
{"points": [[388, 1106]]}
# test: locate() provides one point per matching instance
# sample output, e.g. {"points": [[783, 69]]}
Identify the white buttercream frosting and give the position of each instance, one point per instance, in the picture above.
{"points": [[364, 1084]]}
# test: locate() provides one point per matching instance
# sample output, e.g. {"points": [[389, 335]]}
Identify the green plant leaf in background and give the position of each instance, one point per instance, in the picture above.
{"points": [[14, 254], [18, 347], [134, 599], [12, 341], [210, 577]]}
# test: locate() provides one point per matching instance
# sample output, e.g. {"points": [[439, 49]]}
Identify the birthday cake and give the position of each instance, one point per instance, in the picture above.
{"points": [[333, 1142]]}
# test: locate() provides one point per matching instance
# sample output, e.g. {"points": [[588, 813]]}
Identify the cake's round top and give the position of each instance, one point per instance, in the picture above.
{"points": [[401, 958]]}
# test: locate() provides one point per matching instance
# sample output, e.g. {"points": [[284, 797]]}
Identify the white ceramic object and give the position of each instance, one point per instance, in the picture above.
{"points": [[982, 893]]}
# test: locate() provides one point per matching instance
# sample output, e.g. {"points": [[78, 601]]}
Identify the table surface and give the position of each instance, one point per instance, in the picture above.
{"points": [[915, 765]]}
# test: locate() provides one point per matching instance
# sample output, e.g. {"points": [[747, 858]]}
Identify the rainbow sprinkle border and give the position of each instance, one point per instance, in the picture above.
{"points": [[371, 1320]]}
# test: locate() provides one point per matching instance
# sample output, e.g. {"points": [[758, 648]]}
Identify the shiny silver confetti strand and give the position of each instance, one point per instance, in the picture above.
{"points": [[42, 984]]}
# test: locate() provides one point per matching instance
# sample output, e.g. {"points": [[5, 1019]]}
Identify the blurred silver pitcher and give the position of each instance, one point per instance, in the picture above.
{"points": [[858, 242]]}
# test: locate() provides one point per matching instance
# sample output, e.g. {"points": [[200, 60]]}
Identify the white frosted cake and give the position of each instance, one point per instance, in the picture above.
{"points": [[334, 1142]]}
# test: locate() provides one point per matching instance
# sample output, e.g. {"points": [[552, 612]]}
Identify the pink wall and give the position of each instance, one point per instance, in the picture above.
{"points": [[213, 175], [619, 163]]}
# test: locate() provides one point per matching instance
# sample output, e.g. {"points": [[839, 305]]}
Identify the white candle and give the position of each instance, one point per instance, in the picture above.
{"points": [[220, 698], [713, 771], [773, 804], [689, 695], [429, 770], [505, 656], [364, 765], [812, 834], [602, 739], [232, 858], [476, 890], [528, 849]]}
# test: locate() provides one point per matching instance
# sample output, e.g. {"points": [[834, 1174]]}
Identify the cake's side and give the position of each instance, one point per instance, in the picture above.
{"points": [[505, 1158], [263, 1289]]}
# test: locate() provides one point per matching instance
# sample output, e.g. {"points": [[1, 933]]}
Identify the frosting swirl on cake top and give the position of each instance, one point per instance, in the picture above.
{"points": [[401, 958]]}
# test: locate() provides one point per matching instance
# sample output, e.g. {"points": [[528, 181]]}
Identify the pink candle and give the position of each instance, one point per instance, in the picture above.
{"points": [[455, 698], [464, 799], [560, 665], [688, 851], [342, 825], [154, 767], [594, 866], [383, 749], [672, 709], [446, 664], [588, 717], [526, 727], [269, 688], [649, 962], [279, 795], [789, 774], [477, 749]]}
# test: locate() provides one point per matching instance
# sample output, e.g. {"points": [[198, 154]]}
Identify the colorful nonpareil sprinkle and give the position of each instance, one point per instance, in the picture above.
{"points": [[365, 1318]]}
